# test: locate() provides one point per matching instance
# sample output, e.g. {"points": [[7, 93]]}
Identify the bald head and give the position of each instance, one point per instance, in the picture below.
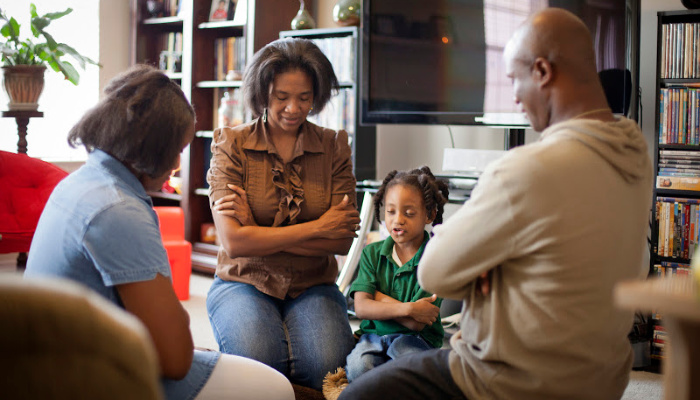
{"points": [[551, 61], [559, 37]]}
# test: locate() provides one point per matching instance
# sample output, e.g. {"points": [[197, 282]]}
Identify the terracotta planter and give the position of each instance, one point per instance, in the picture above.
{"points": [[23, 84]]}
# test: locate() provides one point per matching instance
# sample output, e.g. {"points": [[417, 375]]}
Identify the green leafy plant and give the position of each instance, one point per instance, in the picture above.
{"points": [[18, 51]]}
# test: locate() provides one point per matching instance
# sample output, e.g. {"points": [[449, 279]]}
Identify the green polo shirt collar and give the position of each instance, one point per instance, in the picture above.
{"points": [[388, 248]]}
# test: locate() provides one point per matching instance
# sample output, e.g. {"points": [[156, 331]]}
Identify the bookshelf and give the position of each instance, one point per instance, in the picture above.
{"points": [[184, 27], [676, 207], [340, 45]]}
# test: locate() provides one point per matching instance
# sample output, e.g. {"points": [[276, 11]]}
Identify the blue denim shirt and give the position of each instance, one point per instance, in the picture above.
{"points": [[99, 228]]}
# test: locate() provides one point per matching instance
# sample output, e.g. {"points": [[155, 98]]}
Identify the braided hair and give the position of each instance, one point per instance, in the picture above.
{"points": [[434, 191]]}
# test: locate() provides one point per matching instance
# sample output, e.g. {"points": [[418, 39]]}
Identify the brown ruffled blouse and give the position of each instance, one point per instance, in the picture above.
{"points": [[280, 194]]}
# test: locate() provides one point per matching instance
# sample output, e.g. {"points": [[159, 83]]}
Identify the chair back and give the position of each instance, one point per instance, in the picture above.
{"points": [[347, 272], [26, 184], [60, 340]]}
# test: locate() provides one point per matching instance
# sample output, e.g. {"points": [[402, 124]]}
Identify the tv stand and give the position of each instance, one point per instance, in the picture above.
{"points": [[513, 137]]}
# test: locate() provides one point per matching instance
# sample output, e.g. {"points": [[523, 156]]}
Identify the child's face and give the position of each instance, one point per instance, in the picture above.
{"points": [[405, 215]]}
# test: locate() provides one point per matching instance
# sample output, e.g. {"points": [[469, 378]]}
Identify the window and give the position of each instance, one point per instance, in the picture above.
{"points": [[496, 13], [62, 103]]}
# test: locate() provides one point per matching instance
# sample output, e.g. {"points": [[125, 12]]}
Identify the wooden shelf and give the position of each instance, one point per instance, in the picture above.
{"points": [[173, 22], [220, 25], [204, 134], [219, 84], [174, 75], [166, 196], [204, 257], [320, 33], [665, 82], [677, 193], [679, 147]]}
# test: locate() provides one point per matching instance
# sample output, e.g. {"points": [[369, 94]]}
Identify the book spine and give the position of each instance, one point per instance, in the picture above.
{"points": [[677, 232], [665, 152], [660, 223], [667, 230]]}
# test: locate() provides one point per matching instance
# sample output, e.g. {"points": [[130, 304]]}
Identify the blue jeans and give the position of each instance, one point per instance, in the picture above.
{"points": [[418, 376], [373, 350], [303, 338]]}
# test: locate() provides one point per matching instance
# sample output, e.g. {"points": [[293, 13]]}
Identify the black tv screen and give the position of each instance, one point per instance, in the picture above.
{"points": [[441, 61]]}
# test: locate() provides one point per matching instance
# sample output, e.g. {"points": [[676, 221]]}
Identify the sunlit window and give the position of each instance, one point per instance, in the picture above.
{"points": [[501, 18], [62, 103]]}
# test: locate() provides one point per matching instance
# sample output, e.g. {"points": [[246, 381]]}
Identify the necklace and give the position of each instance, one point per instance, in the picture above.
{"points": [[591, 112]]}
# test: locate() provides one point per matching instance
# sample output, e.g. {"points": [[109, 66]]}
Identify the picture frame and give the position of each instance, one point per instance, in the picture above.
{"points": [[219, 10]]}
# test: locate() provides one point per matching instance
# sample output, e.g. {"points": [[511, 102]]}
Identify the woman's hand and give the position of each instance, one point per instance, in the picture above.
{"points": [[340, 221], [236, 206]]}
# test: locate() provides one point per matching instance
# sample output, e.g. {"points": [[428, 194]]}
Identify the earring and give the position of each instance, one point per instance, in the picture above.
{"points": [[264, 116]]}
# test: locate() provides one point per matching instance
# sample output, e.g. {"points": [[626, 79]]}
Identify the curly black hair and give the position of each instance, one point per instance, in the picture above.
{"points": [[434, 191]]}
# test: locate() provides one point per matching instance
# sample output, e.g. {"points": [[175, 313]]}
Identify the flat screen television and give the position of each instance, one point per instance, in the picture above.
{"points": [[441, 61]]}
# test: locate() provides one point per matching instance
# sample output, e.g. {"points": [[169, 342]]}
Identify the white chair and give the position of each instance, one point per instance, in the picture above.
{"points": [[347, 272]]}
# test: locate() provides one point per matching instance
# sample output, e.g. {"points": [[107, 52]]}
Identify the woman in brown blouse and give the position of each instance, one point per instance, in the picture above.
{"points": [[282, 195]]}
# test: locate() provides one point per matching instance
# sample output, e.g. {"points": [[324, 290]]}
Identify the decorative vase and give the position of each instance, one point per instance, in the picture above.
{"points": [[155, 8], [303, 19], [23, 84], [347, 12]]}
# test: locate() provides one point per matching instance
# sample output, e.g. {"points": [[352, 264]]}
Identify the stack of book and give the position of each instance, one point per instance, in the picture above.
{"points": [[171, 56], [678, 222], [679, 50], [340, 52], [679, 169], [679, 115], [339, 113], [658, 341], [229, 55], [669, 269]]}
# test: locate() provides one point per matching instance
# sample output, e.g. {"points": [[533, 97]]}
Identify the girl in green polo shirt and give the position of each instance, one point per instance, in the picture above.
{"points": [[398, 316]]}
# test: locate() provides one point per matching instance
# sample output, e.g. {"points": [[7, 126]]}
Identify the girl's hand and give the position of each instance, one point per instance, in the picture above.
{"points": [[340, 221], [424, 311], [236, 206]]}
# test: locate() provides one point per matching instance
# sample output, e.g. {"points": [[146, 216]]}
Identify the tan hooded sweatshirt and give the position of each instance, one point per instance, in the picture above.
{"points": [[557, 223]]}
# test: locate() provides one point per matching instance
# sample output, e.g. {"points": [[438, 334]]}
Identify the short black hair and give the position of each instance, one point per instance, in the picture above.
{"points": [[142, 121], [284, 55], [435, 191]]}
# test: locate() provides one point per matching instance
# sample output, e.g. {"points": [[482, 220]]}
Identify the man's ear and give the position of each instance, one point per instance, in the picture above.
{"points": [[542, 71]]}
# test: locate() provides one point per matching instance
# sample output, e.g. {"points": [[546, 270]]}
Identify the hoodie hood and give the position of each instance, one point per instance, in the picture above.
{"points": [[620, 143]]}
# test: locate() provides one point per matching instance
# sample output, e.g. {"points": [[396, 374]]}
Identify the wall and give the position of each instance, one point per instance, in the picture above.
{"points": [[407, 146], [114, 39]]}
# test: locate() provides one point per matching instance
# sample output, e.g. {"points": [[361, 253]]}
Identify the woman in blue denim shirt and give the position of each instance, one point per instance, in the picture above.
{"points": [[99, 228]]}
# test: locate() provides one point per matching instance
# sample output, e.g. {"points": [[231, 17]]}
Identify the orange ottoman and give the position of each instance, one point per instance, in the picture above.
{"points": [[172, 229]]}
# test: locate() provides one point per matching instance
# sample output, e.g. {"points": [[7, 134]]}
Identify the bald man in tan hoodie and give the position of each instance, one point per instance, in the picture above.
{"points": [[536, 251]]}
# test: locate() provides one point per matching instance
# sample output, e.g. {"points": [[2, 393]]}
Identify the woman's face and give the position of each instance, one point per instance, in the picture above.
{"points": [[155, 184], [291, 99]]}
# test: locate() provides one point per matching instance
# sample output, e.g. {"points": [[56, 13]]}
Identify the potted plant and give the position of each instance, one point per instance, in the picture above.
{"points": [[25, 59]]}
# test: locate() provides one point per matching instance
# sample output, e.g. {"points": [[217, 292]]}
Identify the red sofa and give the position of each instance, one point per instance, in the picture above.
{"points": [[25, 185]]}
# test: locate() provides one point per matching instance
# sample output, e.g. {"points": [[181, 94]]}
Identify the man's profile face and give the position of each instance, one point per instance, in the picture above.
{"points": [[525, 91]]}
